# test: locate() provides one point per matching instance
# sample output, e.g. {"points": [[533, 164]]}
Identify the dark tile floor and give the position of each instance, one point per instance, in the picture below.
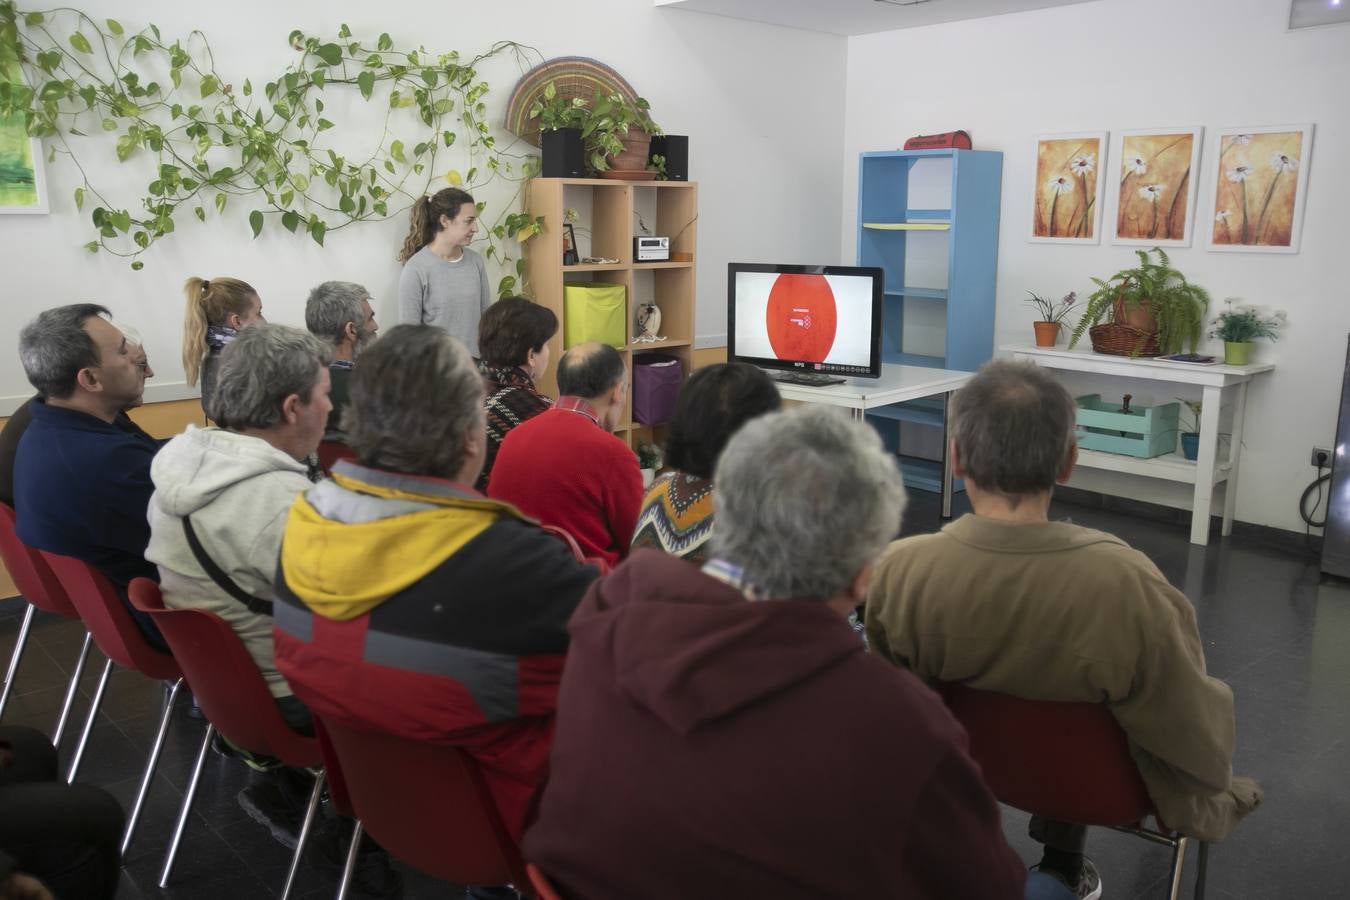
{"points": [[1271, 628]]}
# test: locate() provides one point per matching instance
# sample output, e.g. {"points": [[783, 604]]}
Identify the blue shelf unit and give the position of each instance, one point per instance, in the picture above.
{"points": [[949, 235]]}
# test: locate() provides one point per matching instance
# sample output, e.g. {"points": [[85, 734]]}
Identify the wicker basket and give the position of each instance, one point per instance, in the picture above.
{"points": [[572, 76], [1122, 340]]}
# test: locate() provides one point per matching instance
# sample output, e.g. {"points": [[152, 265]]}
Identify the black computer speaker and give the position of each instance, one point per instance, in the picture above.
{"points": [[564, 153], [675, 148]]}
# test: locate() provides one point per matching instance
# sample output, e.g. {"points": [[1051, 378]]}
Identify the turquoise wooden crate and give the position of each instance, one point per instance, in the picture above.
{"points": [[1148, 431]]}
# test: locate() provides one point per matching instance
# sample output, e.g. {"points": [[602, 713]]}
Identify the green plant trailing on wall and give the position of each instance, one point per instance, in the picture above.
{"points": [[215, 144], [1177, 305]]}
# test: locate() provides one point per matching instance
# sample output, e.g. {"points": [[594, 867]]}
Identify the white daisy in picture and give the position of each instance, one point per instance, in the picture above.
{"points": [[1223, 215], [1239, 173], [1059, 184], [1082, 165], [1243, 139], [1281, 162], [1136, 165], [1151, 192]]}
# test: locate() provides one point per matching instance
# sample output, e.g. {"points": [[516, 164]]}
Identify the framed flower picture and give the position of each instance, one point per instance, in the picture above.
{"points": [[1067, 197], [1159, 170], [1260, 188]]}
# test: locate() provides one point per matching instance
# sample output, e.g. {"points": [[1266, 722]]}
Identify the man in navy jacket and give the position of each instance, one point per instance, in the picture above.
{"points": [[82, 471]]}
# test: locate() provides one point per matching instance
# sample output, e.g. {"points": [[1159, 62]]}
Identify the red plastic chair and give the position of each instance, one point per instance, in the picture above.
{"points": [[542, 886], [35, 581], [424, 803], [232, 693], [119, 639], [332, 451], [1065, 761]]}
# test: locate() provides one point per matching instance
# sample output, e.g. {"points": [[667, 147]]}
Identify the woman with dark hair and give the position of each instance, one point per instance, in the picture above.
{"points": [[444, 283], [677, 513], [513, 335]]}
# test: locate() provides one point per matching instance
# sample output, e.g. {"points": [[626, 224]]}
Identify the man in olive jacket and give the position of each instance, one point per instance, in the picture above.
{"points": [[1006, 600]]}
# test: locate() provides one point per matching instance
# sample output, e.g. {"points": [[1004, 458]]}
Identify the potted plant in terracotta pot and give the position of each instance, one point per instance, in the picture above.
{"points": [[1190, 438], [1239, 326], [618, 135], [1048, 326], [1153, 310]]}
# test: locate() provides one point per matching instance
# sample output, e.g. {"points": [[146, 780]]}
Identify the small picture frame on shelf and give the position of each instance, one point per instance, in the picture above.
{"points": [[570, 257]]}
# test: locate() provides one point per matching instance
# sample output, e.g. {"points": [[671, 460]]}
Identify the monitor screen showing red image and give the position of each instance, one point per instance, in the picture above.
{"points": [[816, 318]]}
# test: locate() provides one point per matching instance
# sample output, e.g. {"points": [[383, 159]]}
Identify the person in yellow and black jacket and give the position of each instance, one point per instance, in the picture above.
{"points": [[410, 604]]}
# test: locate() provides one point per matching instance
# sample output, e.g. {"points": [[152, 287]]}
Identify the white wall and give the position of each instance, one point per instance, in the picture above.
{"points": [[764, 145], [1122, 64]]}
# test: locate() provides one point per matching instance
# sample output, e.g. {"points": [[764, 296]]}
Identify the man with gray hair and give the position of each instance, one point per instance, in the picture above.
{"points": [[339, 313], [408, 603], [565, 466], [735, 716], [1005, 600], [82, 467]]}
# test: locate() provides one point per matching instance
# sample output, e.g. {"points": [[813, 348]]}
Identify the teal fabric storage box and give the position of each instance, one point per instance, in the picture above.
{"points": [[1144, 431]]}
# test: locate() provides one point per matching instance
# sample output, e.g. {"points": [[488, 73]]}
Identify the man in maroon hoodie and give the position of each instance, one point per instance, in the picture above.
{"points": [[722, 732]]}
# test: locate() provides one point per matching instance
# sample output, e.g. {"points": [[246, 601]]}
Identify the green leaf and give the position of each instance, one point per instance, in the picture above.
{"points": [[92, 246], [287, 198], [506, 286], [366, 82], [209, 86], [109, 124], [79, 198], [290, 220], [346, 203], [324, 125], [385, 42], [248, 88], [330, 53], [33, 20], [121, 220], [201, 213], [255, 221], [80, 43], [396, 151], [137, 265], [317, 78], [115, 26], [317, 231]]}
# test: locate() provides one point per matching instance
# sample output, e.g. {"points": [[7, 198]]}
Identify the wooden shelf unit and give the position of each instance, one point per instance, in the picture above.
{"points": [[610, 214]]}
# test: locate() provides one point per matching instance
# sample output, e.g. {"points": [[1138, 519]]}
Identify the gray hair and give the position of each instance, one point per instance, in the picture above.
{"points": [[414, 399], [331, 306], [1014, 428], [259, 369], [54, 347], [805, 499]]}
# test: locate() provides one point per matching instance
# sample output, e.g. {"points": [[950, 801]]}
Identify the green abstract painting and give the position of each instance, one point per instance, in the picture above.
{"points": [[21, 182]]}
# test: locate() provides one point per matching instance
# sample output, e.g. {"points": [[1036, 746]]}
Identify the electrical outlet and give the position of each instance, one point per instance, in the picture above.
{"points": [[1321, 458]]}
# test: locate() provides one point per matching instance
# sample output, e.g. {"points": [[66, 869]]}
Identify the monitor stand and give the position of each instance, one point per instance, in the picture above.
{"points": [[809, 379]]}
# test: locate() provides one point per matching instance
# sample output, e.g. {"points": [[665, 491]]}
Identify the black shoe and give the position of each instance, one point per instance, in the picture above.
{"points": [[267, 804]]}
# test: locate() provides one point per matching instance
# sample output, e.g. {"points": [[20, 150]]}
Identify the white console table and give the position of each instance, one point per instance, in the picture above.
{"points": [[1219, 382]]}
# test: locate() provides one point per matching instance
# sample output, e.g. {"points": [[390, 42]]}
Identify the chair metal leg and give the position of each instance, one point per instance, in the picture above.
{"points": [[89, 721], [71, 690], [1178, 863], [150, 764], [350, 865], [19, 644], [186, 809], [1201, 868], [304, 833]]}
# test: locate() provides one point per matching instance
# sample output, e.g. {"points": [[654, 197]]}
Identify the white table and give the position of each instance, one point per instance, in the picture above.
{"points": [[897, 384], [1208, 470]]}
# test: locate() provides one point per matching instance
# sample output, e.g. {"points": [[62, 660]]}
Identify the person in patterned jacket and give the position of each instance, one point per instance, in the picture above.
{"points": [[677, 513], [513, 337]]}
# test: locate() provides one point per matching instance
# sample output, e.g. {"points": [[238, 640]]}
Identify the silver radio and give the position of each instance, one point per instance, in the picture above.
{"points": [[651, 249]]}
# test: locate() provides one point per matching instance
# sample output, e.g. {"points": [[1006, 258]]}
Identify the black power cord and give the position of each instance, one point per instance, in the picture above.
{"points": [[1321, 479]]}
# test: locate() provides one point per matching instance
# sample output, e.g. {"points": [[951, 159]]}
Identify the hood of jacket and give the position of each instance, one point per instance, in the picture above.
{"points": [[691, 649], [196, 467]]}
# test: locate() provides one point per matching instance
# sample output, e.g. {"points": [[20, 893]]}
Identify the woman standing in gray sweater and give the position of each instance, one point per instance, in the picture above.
{"points": [[444, 283]]}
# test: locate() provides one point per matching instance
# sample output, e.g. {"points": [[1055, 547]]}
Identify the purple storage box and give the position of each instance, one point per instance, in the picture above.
{"points": [[656, 383]]}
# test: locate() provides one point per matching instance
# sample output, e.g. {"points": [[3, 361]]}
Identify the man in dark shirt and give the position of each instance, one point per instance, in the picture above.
{"points": [[339, 313], [82, 470]]}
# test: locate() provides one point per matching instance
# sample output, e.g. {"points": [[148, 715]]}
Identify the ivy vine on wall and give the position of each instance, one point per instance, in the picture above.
{"points": [[215, 143]]}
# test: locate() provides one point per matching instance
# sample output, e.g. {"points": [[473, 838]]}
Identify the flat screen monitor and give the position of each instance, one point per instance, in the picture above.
{"points": [[824, 319]]}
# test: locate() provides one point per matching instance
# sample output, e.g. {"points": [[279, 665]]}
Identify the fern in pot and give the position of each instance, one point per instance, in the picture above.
{"points": [[1152, 308]]}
